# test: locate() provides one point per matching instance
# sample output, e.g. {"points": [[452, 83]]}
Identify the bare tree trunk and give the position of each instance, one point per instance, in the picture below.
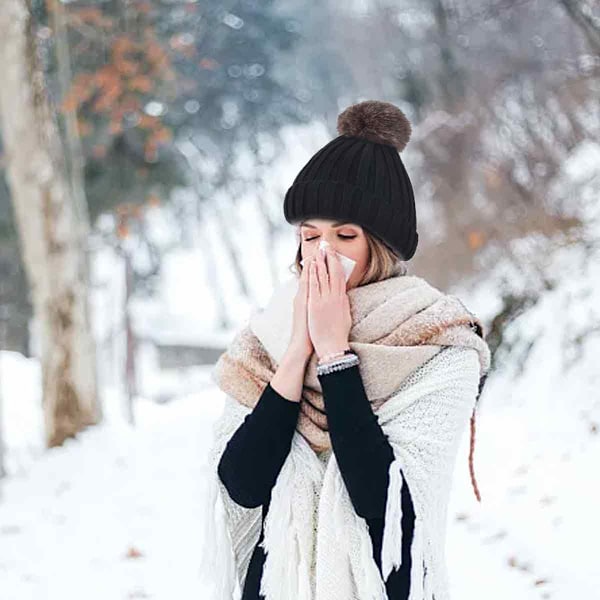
{"points": [[46, 219], [76, 162], [73, 148]]}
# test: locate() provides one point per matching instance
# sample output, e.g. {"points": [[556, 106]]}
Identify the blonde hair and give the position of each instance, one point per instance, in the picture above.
{"points": [[384, 262]]}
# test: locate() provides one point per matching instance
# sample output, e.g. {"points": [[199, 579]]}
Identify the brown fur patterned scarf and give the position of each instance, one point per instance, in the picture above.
{"points": [[397, 325]]}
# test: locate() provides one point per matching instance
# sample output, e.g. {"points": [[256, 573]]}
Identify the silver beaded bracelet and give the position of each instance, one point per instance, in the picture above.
{"points": [[348, 360]]}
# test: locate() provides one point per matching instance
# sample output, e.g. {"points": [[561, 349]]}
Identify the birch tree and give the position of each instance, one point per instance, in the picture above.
{"points": [[50, 232]]}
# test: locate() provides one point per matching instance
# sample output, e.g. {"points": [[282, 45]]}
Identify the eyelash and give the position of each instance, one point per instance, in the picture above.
{"points": [[346, 237]]}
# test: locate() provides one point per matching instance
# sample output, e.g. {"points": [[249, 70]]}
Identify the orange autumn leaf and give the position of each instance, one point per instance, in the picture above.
{"points": [[163, 134], [70, 102], [106, 101], [133, 552], [156, 55], [475, 239], [148, 122], [127, 68], [122, 230], [107, 77], [141, 83], [123, 44], [81, 89], [129, 104]]}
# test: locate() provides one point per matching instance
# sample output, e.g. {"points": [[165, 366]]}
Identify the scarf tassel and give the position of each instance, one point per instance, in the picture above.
{"points": [[391, 549], [369, 583], [417, 587], [218, 561], [286, 572]]}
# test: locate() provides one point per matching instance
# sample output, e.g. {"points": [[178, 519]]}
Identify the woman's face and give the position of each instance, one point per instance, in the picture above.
{"points": [[344, 237]]}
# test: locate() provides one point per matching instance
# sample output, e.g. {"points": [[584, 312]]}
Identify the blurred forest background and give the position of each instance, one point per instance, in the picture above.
{"points": [[146, 147]]}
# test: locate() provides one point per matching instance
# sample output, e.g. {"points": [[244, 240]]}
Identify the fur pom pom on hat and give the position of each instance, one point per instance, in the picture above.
{"points": [[379, 122], [359, 176]]}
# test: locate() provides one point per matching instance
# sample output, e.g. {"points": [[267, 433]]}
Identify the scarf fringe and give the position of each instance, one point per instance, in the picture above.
{"points": [[286, 572], [218, 559], [391, 548], [416, 554], [369, 584]]}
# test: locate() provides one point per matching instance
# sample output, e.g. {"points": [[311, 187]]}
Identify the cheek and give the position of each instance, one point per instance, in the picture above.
{"points": [[359, 251]]}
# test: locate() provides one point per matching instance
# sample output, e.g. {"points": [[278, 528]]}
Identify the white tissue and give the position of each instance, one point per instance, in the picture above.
{"points": [[347, 263]]}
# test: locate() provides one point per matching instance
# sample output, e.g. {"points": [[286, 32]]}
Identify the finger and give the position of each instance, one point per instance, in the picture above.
{"points": [[322, 274], [303, 285], [337, 280], [307, 262], [314, 287], [304, 273]]}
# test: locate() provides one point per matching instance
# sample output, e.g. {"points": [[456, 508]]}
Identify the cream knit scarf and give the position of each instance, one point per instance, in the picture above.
{"points": [[317, 547]]}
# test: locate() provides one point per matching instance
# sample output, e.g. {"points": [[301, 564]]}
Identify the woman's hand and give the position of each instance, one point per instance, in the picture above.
{"points": [[329, 318], [301, 346]]}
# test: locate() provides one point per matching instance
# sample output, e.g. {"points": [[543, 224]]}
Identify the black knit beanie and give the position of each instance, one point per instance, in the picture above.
{"points": [[359, 176]]}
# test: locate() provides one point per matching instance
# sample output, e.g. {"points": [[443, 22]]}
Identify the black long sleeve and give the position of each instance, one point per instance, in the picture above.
{"points": [[255, 453], [361, 448]]}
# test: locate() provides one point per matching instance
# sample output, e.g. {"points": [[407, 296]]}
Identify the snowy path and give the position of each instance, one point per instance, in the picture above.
{"points": [[116, 514], [76, 523], [534, 535]]}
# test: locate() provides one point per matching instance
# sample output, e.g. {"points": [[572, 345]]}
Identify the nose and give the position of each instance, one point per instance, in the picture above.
{"points": [[324, 244], [332, 243]]}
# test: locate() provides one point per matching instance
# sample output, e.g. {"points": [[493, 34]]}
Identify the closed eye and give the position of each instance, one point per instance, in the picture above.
{"points": [[346, 237]]}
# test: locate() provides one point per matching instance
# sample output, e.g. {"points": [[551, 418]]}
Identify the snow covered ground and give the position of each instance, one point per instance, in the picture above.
{"points": [[114, 514]]}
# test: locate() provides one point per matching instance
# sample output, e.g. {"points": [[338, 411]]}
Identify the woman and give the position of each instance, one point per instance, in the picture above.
{"points": [[345, 401]]}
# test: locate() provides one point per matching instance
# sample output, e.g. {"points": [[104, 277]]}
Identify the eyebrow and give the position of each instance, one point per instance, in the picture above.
{"points": [[335, 224]]}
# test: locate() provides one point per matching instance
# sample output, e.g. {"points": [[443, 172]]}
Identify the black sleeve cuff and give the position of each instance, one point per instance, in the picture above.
{"points": [[346, 400], [273, 409]]}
